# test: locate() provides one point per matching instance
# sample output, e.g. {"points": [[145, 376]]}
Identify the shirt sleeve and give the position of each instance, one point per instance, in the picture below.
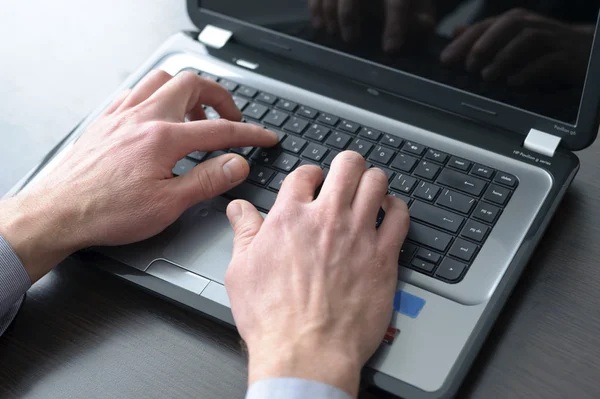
{"points": [[293, 388], [14, 282]]}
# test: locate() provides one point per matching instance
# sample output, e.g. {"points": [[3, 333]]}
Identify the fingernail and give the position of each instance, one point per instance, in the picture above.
{"points": [[235, 170], [234, 213]]}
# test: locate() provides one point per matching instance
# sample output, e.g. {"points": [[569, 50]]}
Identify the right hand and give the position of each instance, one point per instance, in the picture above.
{"points": [[312, 286], [401, 18]]}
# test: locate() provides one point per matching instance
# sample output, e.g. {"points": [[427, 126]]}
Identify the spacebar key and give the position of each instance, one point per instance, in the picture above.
{"points": [[429, 237], [259, 197]]}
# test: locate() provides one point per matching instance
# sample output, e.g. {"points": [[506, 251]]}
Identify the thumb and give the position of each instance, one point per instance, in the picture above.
{"points": [[246, 222], [211, 178]]}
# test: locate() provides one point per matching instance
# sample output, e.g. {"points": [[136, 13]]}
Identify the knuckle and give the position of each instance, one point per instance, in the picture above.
{"points": [[207, 182], [377, 176], [223, 127]]}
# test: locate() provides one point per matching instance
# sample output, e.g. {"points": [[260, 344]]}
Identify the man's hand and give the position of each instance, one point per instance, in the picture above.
{"points": [[523, 48], [312, 286], [401, 18], [115, 186]]}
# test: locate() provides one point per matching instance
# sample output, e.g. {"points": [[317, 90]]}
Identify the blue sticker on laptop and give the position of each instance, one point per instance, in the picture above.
{"points": [[408, 304]]}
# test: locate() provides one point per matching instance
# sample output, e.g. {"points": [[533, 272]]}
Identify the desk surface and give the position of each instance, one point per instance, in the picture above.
{"points": [[85, 334]]}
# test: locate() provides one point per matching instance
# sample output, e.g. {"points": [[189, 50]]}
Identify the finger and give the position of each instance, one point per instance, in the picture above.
{"points": [[330, 12], [348, 19], [246, 222], [188, 91], [396, 22], [457, 51], [394, 228], [146, 87], [301, 185], [316, 13], [369, 196], [343, 178], [527, 46], [117, 102], [210, 178], [218, 134], [540, 70]]}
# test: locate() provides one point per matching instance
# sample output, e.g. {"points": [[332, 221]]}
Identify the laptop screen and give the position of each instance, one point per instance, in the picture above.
{"points": [[530, 54]]}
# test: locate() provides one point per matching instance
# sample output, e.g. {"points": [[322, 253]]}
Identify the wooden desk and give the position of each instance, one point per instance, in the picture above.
{"points": [[85, 334]]}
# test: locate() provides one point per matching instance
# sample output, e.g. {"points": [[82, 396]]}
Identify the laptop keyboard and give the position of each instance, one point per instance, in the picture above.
{"points": [[454, 203]]}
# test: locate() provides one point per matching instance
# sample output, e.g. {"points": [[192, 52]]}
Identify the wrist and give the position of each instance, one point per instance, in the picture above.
{"points": [[38, 231], [337, 368]]}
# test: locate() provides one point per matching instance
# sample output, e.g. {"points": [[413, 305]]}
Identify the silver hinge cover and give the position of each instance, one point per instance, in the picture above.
{"points": [[543, 143], [214, 36]]}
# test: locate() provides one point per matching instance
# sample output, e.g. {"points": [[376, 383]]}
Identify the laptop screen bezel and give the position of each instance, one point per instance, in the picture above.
{"points": [[574, 136]]}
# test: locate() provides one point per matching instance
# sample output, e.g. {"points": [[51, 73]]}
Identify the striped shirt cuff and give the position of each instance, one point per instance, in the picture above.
{"points": [[293, 388], [14, 282]]}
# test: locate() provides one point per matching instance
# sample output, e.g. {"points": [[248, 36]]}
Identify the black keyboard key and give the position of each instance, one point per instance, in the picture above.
{"points": [[450, 270], [315, 152], [265, 156], [459, 163], [281, 135], [414, 148], [277, 181], [209, 76], [468, 184], [370, 134], [286, 162], [436, 156], [381, 155], [325, 173], [427, 191], [497, 195], [456, 201], [328, 119], [403, 184], [475, 231], [255, 123], [422, 265], [427, 170], [436, 216], [338, 140], [407, 200], [482, 171], [296, 125], [228, 84], [197, 156], [246, 91], [486, 212], [317, 132], [260, 174], [389, 174], [429, 237], [406, 253], [243, 151], [275, 118], [240, 102], [330, 157], [287, 105], [266, 98], [293, 144], [215, 154], [361, 146], [259, 197], [463, 250], [505, 179], [255, 111], [347, 126], [391, 141], [183, 166], [404, 162], [307, 112], [429, 256], [211, 114]]}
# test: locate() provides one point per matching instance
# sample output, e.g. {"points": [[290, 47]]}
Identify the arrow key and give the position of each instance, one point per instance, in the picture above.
{"points": [[450, 270]]}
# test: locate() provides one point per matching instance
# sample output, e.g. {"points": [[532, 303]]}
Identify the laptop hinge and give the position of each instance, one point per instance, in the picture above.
{"points": [[214, 36], [541, 142]]}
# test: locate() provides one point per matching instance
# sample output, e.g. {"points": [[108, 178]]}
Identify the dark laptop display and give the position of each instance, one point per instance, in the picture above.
{"points": [[532, 55]]}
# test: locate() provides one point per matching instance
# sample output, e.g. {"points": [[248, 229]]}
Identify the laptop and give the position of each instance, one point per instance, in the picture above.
{"points": [[482, 176]]}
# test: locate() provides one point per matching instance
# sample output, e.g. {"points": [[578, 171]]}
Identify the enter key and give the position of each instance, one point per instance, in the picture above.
{"points": [[435, 216]]}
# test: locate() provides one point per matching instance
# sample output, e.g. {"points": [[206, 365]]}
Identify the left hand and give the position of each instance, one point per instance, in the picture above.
{"points": [[523, 48], [115, 186]]}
